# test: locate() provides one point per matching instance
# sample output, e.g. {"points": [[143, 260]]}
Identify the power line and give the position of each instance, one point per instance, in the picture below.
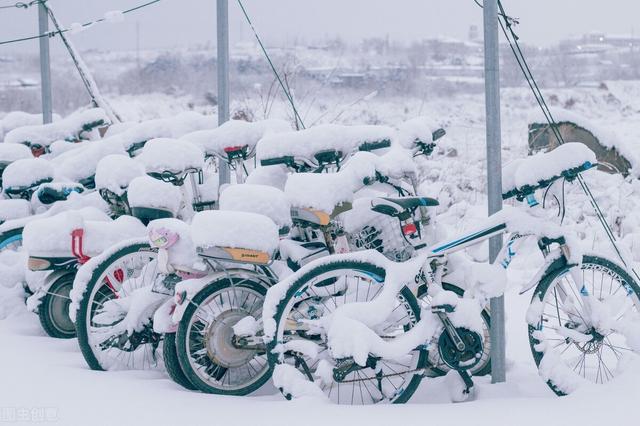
{"points": [[64, 30], [285, 89], [22, 5]]}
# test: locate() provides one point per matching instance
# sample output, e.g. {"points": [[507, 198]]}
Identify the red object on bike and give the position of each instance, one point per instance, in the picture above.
{"points": [[76, 246], [233, 148], [409, 228]]}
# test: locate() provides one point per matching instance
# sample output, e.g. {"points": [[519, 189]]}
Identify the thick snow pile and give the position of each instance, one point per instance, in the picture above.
{"points": [[324, 191], [545, 165], [275, 176], [82, 163], [172, 155], [52, 236], [69, 128], [115, 172], [419, 129], [235, 133], [306, 143], [10, 153], [145, 191], [16, 119], [24, 173], [14, 209], [260, 199], [234, 229], [172, 127]]}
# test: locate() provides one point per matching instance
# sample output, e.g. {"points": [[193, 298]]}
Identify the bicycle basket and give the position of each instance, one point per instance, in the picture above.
{"points": [[384, 235]]}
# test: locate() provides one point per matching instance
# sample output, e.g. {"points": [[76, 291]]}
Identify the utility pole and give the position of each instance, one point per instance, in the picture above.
{"points": [[494, 175], [45, 66], [222, 63]]}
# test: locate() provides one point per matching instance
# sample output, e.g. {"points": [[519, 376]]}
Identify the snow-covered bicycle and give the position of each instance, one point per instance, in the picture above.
{"points": [[334, 329]]}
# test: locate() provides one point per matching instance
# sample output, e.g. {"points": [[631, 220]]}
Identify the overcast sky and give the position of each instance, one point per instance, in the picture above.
{"points": [[183, 22]]}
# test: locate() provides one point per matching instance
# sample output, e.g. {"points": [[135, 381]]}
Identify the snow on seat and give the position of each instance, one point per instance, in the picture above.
{"points": [[26, 173], [80, 165], [308, 143], [146, 192], [16, 119], [11, 152], [135, 135], [171, 155], [69, 128], [326, 191], [235, 135], [260, 199], [14, 209], [54, 236], [235, 236], [535, 170], [115, 172]]}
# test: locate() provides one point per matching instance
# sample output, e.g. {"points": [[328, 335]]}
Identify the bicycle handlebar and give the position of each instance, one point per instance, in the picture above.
{"points": [[569, 174]]}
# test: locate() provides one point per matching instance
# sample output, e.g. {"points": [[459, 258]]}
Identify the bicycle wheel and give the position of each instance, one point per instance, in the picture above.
{"points": [[105, 341], [54, 309], [317, 294], [212, 357], [568, 344]]}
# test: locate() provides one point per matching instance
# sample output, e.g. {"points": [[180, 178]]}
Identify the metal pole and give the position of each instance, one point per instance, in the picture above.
{"points": [[45, 68], [494, 174], [223, 74]]}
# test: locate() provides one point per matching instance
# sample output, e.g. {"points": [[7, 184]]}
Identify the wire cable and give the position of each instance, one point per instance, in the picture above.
{"points": [[64, 30], [512, 39], [273, 68]]}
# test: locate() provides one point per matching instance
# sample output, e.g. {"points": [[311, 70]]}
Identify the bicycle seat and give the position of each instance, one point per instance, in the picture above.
{"points": [[396, 206], [49, 193], [235, 236]]}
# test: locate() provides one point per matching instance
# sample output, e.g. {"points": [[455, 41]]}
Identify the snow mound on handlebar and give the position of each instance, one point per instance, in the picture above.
{"points": [[173, 155], [416, 129], [115, 172], [26, 172], [531, 170], [215, 228], [260, 199], [306, 143], [235, 133], [145, 191], [68, 128], [10, 153]]}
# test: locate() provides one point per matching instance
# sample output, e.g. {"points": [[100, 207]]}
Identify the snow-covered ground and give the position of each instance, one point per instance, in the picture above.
{"points": [[48, 380]]}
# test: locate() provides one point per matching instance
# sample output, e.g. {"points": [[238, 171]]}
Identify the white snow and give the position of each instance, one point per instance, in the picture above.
{"points": [[546, 165], [24, 173], [260, 199], [14, 209], [115, 172], [145, 191], [69, 128], [11, 152], [173, 155], [215, 228], [235, 133], [306, 143]]}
